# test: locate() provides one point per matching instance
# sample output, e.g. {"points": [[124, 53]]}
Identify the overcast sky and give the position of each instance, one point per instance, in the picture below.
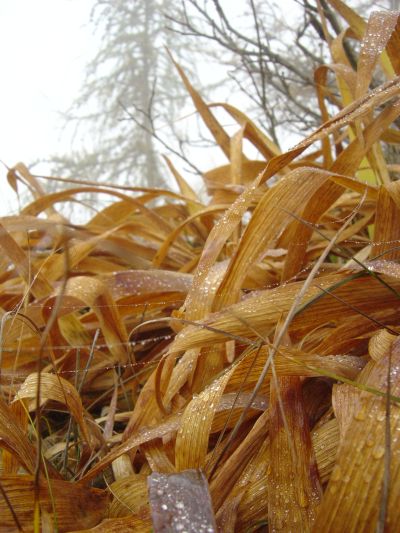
{"points": [[44, 46]]}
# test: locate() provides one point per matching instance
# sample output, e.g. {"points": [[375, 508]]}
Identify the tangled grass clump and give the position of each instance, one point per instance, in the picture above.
{"points": [[173, 335]]}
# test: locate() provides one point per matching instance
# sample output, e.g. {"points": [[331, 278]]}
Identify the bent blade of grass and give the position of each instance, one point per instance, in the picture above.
{"points": [[286, 484], [361, 458]]}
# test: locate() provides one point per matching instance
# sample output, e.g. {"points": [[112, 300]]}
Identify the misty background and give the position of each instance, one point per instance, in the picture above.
{"points": [[89, 91]]}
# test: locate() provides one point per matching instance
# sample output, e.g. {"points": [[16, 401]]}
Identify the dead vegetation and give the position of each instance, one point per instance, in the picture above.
{"points": [[254, 337]]}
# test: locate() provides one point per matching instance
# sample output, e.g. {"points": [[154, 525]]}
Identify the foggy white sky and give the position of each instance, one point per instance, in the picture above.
{"points": [[44, 46]]}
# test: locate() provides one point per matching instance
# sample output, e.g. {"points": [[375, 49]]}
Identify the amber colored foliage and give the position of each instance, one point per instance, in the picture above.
{"points": [[253, 337]]}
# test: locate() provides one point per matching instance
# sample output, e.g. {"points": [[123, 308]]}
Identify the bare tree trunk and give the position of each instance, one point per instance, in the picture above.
{"points": [[153, 177]]}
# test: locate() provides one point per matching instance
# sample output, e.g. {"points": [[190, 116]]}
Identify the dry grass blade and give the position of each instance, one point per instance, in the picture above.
{"points": [[75, 506], [13, 439], [361, 459], [130, 524], [58, 390], [252, 335]]}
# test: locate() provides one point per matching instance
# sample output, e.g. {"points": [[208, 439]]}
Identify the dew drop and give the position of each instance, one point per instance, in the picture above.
{"points": [[336, 474], [378, 452], [360, 415]]}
